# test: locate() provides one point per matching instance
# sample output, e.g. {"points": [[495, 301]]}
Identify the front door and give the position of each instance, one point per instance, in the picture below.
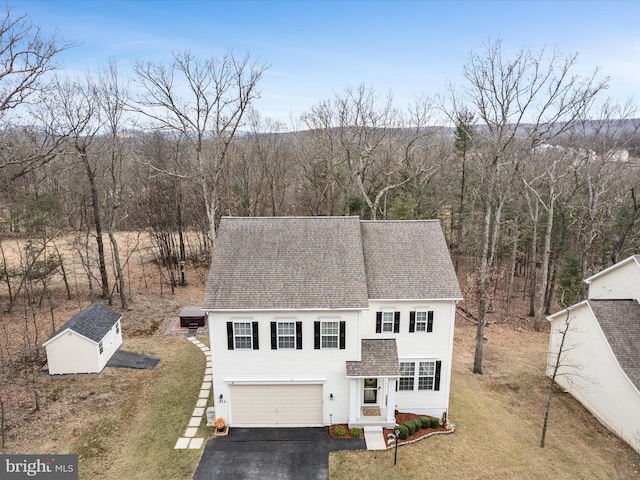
{"points": [[371, 391]]}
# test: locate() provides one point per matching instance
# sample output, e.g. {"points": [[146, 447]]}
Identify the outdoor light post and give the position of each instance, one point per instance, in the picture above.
{"points": [[391, 437]]}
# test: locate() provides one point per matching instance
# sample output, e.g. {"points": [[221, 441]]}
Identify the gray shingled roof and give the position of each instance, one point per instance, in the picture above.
{"points": [[287, 263], [408, 260], [93, 322], [620, 322], [379, 359]]}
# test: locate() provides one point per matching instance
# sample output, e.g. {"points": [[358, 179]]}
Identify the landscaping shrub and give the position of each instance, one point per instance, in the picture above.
{"points": [[417, 423], [355, 432], [434, 422], [340, 431], [411, 426], [404, 432], [426, 423]]}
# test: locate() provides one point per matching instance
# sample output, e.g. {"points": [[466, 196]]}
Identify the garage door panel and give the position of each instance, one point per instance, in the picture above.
{"points": [[276, 404]]}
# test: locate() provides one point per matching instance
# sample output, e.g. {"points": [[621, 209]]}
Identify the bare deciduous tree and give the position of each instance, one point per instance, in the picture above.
{"points": [[205, 101], [521, 101]]}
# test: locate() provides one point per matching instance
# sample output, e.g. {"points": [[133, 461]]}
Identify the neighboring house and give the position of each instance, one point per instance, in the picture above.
{"points": [[322, 320], [600, 363], [86, 342]]}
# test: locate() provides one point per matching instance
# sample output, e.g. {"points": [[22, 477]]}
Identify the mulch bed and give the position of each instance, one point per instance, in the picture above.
{"points": [[400, 419]]}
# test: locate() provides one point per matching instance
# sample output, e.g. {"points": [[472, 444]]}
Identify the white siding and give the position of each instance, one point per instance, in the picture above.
{"points": [[267, 366], [72, 353], [591, 373], [110, 343], [435, 345], [620, 282]]}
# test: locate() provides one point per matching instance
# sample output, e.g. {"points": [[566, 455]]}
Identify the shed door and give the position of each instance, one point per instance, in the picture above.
{"points": [[271, 405]]}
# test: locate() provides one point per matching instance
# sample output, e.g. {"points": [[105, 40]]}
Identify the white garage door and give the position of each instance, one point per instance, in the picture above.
{"points": [[276, 405]]}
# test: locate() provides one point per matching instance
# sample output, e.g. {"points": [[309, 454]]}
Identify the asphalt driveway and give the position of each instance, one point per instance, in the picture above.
{"points": [[271, 454]]}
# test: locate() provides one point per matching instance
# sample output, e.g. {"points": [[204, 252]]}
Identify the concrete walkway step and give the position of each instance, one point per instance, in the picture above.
{"points": [[374, 438]]}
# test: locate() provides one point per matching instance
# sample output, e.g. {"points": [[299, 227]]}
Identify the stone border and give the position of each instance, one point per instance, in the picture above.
{"points": [[189, 440], [409, 442]]}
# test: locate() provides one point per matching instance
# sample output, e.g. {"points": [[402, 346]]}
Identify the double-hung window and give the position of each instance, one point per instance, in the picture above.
{"points": [[388, 321], [419, 375], [426, 375], [242, 335], [100, 347], [421, 321], [286, 335], [407, 371], [329, 334]]}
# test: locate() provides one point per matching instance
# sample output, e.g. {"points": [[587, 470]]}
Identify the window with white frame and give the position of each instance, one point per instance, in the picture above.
{"points": [[117, 327], [419, 375], [387, 321], [407, 372], [286, 335], [421, 321], [100, 347], [426, 375], [242, 334], [329, 331]]}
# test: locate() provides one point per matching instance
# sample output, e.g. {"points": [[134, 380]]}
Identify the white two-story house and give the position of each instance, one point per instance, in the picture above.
{"points": [[321, 320]]}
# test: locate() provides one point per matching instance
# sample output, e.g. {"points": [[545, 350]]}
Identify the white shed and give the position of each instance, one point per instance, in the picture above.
{"points": [[86, 342]]}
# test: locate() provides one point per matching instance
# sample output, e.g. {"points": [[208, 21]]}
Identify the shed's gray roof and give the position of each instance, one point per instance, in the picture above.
{"points": [[408, 260], [287, 263], [379, 359], [620, 322], [93, 322]]}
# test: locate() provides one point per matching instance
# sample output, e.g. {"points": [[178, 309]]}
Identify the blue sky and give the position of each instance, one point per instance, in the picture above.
{"points": [[317, 48]]}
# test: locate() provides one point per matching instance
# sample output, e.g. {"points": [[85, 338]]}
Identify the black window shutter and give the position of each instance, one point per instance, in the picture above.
{"points": [[254, 328], [230, 335], [429, 321], [274, 336], [396, 322], [298, 335], [316, 335], [436, 381], [412, 322], [343, 333], [378, 322]]}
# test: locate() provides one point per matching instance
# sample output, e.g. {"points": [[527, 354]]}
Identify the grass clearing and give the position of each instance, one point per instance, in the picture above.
{"points": [[499, 421], [136, 439]]}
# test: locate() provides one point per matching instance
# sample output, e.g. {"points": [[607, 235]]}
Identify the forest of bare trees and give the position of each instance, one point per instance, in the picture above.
{"points": [[531, 169]]}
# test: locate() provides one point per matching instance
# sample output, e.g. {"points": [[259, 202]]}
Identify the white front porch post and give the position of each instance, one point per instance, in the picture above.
{"points": [[354, 408], [391, 400]]}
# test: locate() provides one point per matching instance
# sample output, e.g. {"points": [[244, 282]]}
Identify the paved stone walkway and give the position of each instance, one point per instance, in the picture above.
{"points": [[189, 440]]}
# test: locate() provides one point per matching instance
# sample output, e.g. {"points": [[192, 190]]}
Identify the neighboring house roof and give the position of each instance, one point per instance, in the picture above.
{"points": [[620, 322], [632, 258], [287, 263], [408, 260], [379, 359], [94, 322]]}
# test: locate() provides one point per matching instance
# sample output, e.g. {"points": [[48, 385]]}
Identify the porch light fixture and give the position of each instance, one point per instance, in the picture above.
{"points": [[331, 396], [221, 398]]}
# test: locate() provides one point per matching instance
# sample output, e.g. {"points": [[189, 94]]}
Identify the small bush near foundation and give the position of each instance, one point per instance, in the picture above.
{"points": [[434, 422], [417, 423], [355, 432], [340, 431], [411, 426], [404, 432], [426, 423]]}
